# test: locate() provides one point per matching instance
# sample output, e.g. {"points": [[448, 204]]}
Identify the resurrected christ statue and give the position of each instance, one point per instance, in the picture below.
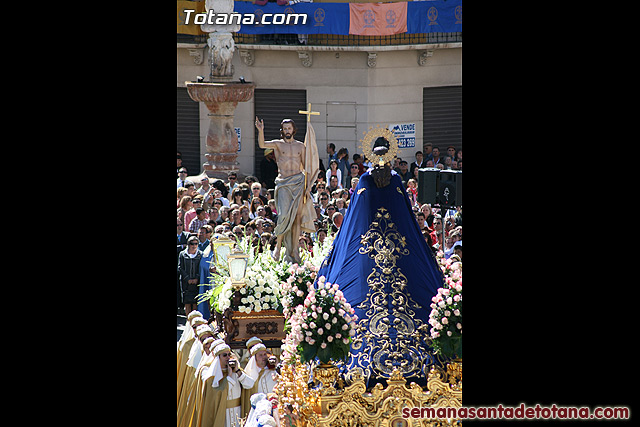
{"points": [[292, 191]]}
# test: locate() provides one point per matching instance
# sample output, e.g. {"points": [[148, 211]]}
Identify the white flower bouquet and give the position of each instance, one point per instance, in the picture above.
{"points": [[262, 290]]}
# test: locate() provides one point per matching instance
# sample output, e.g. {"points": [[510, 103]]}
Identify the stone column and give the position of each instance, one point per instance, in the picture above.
{"points": [[221, 99]]}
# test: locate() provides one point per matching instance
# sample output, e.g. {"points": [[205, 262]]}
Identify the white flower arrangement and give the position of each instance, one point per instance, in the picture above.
{"points": [[263, 279], [262, 290]]}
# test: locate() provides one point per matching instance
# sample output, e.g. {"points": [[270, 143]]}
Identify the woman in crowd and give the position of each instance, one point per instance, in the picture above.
{"points": [[334, 171], [189, 268]]}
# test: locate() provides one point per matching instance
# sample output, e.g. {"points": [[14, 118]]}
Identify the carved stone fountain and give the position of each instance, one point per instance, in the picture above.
{"points": [[220, 95]]}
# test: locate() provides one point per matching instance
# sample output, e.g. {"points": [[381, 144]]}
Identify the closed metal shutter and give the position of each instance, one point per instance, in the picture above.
{"points": [[188, 132], [442, 116], [272, 106]]}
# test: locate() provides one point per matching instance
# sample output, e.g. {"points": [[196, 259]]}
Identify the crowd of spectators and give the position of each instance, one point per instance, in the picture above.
{"points": [[247, 210]]}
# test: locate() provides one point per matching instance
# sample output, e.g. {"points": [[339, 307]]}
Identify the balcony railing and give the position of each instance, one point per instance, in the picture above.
{"points": [[330, 39], [346, 40]]}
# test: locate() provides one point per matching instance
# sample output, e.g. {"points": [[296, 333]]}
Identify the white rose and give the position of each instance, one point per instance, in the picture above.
{"points": [[250, 299]]}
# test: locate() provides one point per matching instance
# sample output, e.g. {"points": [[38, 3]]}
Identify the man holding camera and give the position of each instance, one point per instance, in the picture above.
{"points": [[221, 404], [262, 367]]}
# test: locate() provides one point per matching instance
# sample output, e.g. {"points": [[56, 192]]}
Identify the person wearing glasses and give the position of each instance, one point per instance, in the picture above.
{"points": [[222, 389], [323, 198], [189, 269], [354, 171], [320, 187], [191, 214], [182, 177]]}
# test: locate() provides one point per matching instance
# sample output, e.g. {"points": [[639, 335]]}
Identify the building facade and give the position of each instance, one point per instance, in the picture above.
{"points": [[355, 82]]}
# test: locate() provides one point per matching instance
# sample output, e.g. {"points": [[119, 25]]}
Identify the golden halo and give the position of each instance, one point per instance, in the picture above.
{"points": [[369, 139]]}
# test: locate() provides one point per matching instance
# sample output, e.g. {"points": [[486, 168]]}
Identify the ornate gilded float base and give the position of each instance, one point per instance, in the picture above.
{"points": [[353, 406]]}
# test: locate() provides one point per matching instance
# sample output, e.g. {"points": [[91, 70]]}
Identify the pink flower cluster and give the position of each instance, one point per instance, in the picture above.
{"points": [[446, 306], [296, 287], [324, 320]]}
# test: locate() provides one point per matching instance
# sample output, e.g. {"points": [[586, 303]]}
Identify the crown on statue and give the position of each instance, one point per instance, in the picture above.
{"points": [[380, 154]]}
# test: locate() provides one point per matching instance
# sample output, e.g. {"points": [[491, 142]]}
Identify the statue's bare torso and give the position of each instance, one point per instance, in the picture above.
{"points": [[290, 157]]}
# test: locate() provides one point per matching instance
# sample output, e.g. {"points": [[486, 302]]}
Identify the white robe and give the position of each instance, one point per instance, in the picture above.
{"points": [[233, 392], [266, 382]]}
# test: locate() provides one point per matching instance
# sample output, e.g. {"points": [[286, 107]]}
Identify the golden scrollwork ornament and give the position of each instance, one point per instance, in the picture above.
{"points": [[353, 406]]}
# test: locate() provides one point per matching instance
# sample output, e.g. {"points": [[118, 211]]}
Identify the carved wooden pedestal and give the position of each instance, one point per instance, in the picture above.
{"points": [[268, 325]]}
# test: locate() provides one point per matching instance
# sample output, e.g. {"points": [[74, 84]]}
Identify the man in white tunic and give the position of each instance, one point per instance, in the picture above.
{"points": [[258, 368], [222, 387]]}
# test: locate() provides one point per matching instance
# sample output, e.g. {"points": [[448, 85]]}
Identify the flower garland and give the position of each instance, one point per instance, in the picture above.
{"points": [[446, 310]]}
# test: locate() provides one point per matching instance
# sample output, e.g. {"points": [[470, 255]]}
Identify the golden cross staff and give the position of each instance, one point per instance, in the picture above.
{"points": [[309, 113]]}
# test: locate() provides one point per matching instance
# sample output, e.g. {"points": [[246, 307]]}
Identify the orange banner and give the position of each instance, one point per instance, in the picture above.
{"points": [[191, 28], [377, 19]]}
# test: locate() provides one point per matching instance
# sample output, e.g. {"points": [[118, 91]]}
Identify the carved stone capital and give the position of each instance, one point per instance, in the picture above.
{"points": [[372, 58], [306, 58], [197, 54], [423, 55], [247, 56]]}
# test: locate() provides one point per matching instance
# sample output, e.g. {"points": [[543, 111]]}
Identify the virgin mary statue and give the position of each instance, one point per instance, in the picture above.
{"points": [[386, 272]]}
